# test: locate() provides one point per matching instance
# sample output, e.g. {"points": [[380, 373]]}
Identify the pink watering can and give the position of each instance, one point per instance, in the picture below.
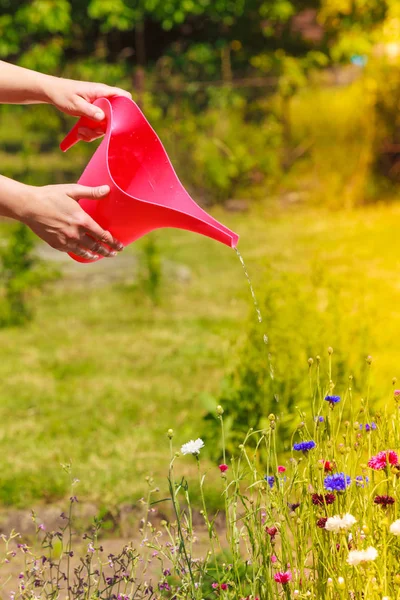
{"points": [[146, 193]]}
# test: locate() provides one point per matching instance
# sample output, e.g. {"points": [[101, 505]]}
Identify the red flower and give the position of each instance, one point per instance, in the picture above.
{"points": [[223, 468], [272, 531], [383, 459], [328, 466], [322, 522], [281, 469], [283, 577], [384, 501], [321, 500]]}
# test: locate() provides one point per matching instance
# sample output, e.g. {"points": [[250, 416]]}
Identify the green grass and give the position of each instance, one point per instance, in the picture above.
{"points": [[100, 374]]}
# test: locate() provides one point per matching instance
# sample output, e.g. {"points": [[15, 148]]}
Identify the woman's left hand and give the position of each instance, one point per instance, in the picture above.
{"points": [[76, 97]]}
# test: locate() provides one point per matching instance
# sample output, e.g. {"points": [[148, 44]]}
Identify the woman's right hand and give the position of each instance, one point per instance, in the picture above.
{"points": [[54, 214]]}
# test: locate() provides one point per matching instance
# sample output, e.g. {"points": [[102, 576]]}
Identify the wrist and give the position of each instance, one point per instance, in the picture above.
{"points": [[26, 207], [45, 85]]}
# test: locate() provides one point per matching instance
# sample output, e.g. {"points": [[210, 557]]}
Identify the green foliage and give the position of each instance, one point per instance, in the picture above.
{"points": [[302, 317], [219, 154], [150, 271], [21, 274], [386, 91], [332, 134]]}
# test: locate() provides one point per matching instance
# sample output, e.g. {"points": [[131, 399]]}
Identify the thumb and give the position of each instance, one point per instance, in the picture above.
{"points": [[86, 109], [76, 192]]}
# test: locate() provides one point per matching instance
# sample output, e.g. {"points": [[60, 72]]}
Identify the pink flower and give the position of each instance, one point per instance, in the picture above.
{"points": [[382, 459], [217, 586], [223, 468], [272, 531], [273, 559], [281, 469], [396, 393], [283, 577]]}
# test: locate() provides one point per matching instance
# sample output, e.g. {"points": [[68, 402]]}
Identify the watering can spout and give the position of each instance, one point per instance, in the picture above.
{"points": [[146, 193]]}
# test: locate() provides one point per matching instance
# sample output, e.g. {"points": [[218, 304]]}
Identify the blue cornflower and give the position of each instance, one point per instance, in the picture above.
{"points": [[319, 419], [337, 482], [304, 446], [332, 399], [369, 427], [360, 480], [270, 479]]}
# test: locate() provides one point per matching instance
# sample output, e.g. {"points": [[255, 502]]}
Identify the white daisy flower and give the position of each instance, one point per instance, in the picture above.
{"points": [[356, 557], [192, 447], [395, 527], [337, 523]]}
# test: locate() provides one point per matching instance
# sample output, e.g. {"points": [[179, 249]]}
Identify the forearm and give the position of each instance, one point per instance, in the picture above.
{"points": [[23, 86], [15, 198]]}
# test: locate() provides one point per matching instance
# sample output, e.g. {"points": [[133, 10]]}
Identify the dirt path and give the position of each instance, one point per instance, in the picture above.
{"points": [[120, 270]]}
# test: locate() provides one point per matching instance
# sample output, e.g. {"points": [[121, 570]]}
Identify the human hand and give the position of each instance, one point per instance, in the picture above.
{"points": [[53, 213], [76, 97]]}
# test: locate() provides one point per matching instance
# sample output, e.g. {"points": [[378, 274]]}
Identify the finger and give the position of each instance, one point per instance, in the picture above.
{"points": [[83, 108], [77, 191], [88, 135], [83, 252], [108, 91], [96, 247], [100, 235]]}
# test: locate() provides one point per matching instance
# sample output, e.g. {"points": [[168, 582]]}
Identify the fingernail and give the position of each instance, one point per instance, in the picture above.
{"points": [[113, 253], [104, 190], [99, 116], [120, 247]]}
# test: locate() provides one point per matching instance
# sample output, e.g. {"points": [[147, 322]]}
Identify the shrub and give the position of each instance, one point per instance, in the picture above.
{"points": [[21, 274], [221, 155], [302, 316]]}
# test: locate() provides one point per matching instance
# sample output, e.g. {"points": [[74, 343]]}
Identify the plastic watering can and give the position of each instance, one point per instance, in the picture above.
{"points": [[145, 192]]}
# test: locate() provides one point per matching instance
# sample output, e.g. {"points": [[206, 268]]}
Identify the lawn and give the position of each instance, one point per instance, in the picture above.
{"points": [[100, 374]]}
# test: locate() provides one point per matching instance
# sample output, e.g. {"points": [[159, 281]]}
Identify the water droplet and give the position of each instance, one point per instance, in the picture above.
{"points": [[253, 295]]}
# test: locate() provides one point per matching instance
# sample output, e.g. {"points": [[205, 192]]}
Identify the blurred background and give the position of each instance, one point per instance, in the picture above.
{"points": [[281, 117]]}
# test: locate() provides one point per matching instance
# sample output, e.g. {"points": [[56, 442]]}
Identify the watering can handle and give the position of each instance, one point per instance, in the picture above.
{"points": [[73, 136]]}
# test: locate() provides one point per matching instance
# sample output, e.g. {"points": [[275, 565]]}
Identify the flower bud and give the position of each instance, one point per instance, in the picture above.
{"points": [[271, 417], [170, 433], [310, 362], [369, 360], [220, 410], [330, 350], [340, 583]]}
